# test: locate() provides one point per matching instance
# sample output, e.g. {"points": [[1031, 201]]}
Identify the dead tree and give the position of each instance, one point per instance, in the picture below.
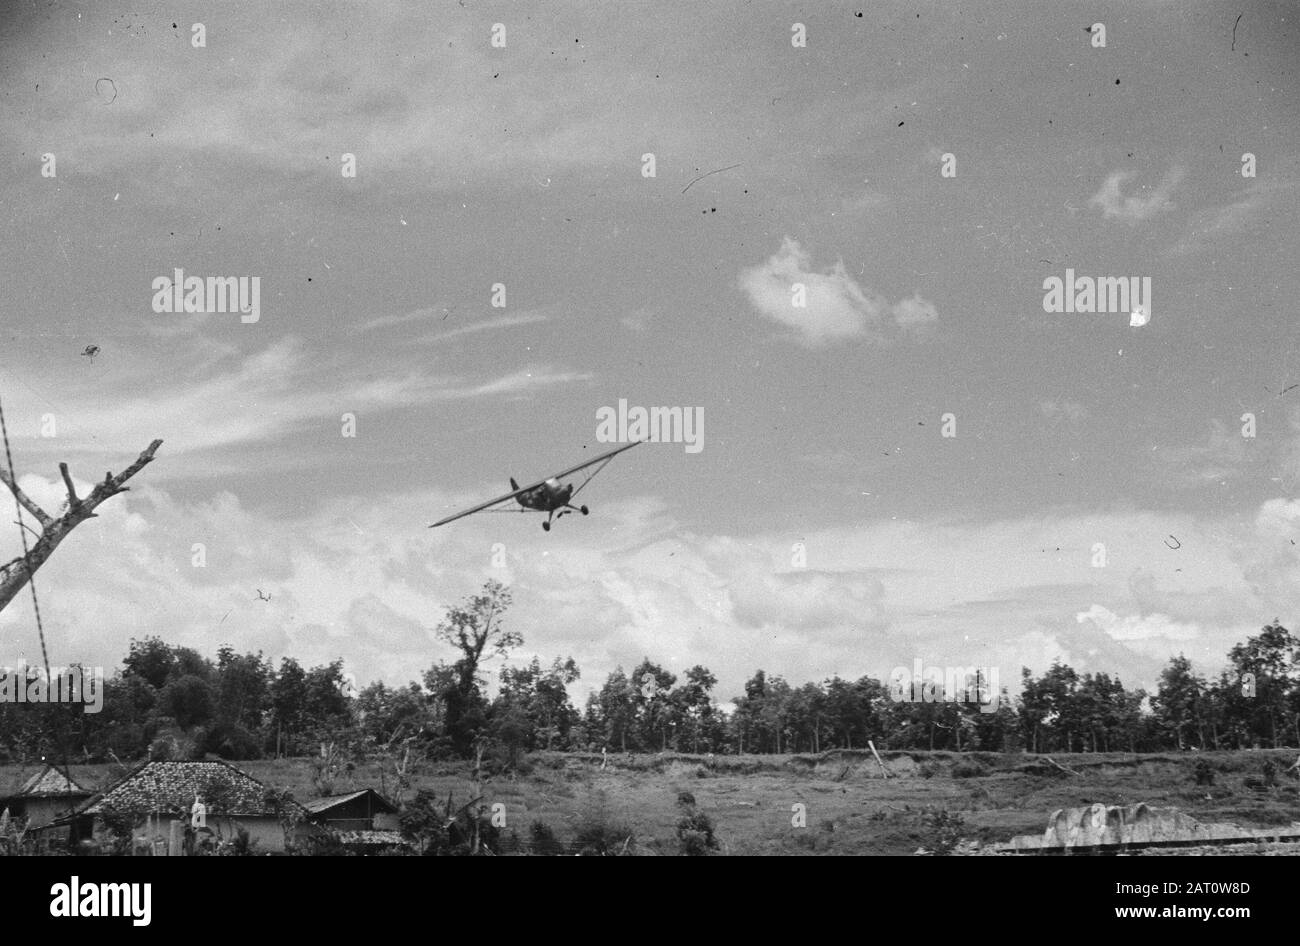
{"points": [[15, 574]]}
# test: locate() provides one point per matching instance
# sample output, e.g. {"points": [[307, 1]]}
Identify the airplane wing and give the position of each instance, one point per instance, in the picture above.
{"points": [[482, 506], [592, 462], [509, 496]]}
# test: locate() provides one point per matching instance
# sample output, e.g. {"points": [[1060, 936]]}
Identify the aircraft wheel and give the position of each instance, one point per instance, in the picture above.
{"points": [[546, 526], [585, 510]]}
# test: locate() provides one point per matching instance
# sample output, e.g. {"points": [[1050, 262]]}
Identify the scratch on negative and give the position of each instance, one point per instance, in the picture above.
{"points": [[703, 176]]}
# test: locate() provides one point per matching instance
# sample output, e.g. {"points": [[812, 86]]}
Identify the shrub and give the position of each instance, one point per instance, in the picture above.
{"points": [[542, 840], [443, 829], [695, 834], [230, 741], [969, 768], [597, 836], [1204, 772], [943, 830]]}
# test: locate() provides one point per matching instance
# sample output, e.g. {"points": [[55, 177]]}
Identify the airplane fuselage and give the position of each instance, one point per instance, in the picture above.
{"points": [[548, 497]]}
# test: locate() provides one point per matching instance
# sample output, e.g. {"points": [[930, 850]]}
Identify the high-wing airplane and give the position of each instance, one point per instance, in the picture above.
{"points": [[547, 495]]}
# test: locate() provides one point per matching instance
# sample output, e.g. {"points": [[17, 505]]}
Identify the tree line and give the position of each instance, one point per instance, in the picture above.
{"points": [[172, 702]]}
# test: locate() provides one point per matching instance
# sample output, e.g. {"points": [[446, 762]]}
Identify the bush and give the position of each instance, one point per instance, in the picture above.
{"points": [[230, 741], [542, 840], [443, 829], [1204, 772], [695, 834], [969, 768], [604, 839], [943, 830]]}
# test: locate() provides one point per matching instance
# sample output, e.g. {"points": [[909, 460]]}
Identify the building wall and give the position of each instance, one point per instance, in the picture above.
{"points": [[41, 811], [265, 832]]}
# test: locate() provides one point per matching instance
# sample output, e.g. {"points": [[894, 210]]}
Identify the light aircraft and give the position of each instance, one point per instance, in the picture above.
{"points": [[547, 495]]}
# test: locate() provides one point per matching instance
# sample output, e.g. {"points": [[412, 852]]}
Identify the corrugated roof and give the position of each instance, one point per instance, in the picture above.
{"points": [[318, 805], [50, 781], [169, 786]]}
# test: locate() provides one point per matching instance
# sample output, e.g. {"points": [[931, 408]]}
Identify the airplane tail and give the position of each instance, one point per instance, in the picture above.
{"points": [[513, 484]]}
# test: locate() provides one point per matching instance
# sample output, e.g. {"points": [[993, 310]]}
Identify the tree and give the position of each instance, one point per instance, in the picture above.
{"points": [[543, 698], [1261, 702], [695, 707], [243, 691], [288, 693], [150, 660], [1177, 703], [475, 630], [16, 573], [651, 685], [612, 712]]}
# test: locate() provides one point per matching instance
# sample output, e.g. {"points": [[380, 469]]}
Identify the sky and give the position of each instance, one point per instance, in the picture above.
{"points": [[915, 172]]}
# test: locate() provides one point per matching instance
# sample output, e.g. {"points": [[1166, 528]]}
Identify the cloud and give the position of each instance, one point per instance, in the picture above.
{"points": [[1134, 209], [488, 325], [265, 396], [822, 307], [1215, 223], [1224, 456], [915, 315], [1153, 635], [355, 577], [833, 305], [416, 315]]}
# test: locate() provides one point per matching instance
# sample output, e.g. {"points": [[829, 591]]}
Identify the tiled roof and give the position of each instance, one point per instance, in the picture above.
{"points": [[318, 805], [50, 782], [171, 786]]}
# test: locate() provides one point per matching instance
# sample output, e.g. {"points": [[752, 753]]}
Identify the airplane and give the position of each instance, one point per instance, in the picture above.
{"points": [[547, 495]]}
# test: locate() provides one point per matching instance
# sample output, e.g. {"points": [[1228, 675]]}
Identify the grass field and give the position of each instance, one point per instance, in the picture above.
{"points": [[848, 808]]}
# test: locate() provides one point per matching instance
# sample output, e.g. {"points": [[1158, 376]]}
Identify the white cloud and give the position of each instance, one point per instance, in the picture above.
{"points": [[833, 305], [915, 315], [1113, 203], [267, 395], [1137, 627]]}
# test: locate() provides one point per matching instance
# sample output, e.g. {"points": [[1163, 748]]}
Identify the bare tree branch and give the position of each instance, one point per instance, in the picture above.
{"points": [[21, 524], [18, 572], [26, 501], [73, 501]]}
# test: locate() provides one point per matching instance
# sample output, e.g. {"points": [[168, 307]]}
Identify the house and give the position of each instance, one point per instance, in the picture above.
{"points": [[47, 795], [366, 810], [363, 821], [157, 800]]}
